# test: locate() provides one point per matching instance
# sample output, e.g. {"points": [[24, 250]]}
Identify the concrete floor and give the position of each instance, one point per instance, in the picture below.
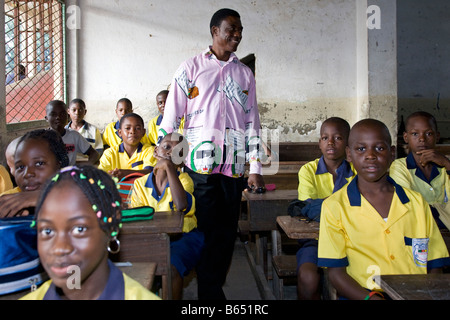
{"points": [[241, 283]]}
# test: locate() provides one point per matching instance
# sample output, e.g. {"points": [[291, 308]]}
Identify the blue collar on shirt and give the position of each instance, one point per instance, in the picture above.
{"points": [[344, 171], [354, 196], [114, 289], [117, 127], [149, 184], [122, 148], [159, 120], [411, 164]]}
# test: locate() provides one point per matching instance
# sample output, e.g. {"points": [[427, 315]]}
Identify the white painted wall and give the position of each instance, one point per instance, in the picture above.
{"points": [[305, 56]]}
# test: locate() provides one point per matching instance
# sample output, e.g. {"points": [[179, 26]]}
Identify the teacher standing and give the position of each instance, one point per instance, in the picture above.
{"points": [[216, 95]]}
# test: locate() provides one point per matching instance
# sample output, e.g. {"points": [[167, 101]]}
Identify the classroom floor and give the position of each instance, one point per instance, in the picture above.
{"points": [[240, 284]]}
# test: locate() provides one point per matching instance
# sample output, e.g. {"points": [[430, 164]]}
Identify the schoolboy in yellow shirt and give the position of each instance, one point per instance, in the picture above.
{"points": [[424, 169], [167, 189], [110, 135], [318, 179], [153, 125], [373, 226], [131, 155]]}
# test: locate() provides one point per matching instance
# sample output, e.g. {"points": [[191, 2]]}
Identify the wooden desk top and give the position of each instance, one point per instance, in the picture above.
{"points": [[163, 222], [416, 287], [142, 272], [273, 195], [264, 208], [298, 229]]}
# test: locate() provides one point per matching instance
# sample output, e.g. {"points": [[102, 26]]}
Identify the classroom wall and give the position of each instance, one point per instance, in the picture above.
{"points": [[305, 54], [423, 63]]}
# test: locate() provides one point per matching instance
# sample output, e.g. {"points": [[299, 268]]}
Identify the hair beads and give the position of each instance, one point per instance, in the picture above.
{"points": [[99, 188]]}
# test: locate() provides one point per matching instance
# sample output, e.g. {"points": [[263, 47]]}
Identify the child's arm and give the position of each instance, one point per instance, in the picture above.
{"points": [[431, 155], [16, 204], [178, 193], [120, 173], [347, 286], [93, 155]]}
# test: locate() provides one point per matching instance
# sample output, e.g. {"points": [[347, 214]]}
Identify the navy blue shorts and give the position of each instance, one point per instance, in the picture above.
{"points": [[307, 252], [185, 251]]}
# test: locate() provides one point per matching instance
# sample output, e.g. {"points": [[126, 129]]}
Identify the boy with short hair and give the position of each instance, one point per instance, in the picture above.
{"points": [[166, 189], [111, 135], [56, 116], [77, 111], [424, 169], [318, 179], [373, 224], [131, 155]]}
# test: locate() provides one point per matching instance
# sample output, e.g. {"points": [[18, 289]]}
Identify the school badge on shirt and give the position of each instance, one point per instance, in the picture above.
{"points": [[420, 251]]}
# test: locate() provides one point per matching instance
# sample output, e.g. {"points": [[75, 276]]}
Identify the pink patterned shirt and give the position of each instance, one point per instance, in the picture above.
{"points": [[218, 102]]}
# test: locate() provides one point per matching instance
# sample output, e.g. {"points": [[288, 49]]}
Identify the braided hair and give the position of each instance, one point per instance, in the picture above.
{"points": [[54, 140], [99, 188]]}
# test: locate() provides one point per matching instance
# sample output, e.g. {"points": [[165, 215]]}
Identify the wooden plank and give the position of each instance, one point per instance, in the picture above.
{"points": [[295, 228], [433, 286], [264, 208], [142, 272], [170, 222]]}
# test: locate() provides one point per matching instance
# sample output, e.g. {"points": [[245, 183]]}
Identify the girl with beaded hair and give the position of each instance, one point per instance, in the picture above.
{"points": [[78, 216]]}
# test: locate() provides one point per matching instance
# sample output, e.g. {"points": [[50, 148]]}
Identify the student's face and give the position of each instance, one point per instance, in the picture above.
{"points": [[34, 164], [76, 112], [131, 131], [370, 153], [69, 236], [229, 34], [161, 102], [332, 142], [57, 117], [420, 134], [122, 109]]}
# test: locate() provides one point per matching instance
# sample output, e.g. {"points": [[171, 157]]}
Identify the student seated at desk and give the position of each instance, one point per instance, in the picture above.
{"points": [[110, 135], [166, 189], [80, 239], [39, 155], [424, 169], [373, 226], [130, 155], [77, 112], [57, 116], [318, 179]]}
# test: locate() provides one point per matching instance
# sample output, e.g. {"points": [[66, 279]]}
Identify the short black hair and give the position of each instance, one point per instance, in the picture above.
{"points": [[78, 101], [424, 114], [126, 101], [166, 92], [54, 140], [220, 15], [54, 103], [131, 115], [344, 125]]}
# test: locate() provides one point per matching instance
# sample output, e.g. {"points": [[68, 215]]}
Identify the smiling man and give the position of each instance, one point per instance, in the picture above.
{"points": [[216, 95]]}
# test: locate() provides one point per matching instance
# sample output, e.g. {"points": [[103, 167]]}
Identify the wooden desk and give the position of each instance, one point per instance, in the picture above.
{"points": [[298, 229], [264, 208], [416, 287], [149, 241]]}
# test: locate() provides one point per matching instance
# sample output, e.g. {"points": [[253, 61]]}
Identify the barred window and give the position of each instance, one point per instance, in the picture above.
{"points": [[34, 57]]}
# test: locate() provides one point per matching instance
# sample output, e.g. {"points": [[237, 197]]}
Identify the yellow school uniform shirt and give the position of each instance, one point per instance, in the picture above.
{"points": [[111, 136], [354, 235], [5, 180], [315, 182], [116, 157], [436, 191], [11, 191], [144, 194], [133, 291], [153, 127]]}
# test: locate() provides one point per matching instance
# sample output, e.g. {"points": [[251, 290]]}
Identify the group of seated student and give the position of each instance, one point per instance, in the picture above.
{"points": [[378, 215], [45, 169], [374, 210]]}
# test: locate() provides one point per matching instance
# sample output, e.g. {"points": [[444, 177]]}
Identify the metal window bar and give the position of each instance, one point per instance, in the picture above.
{"points": [[34, 48]]}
